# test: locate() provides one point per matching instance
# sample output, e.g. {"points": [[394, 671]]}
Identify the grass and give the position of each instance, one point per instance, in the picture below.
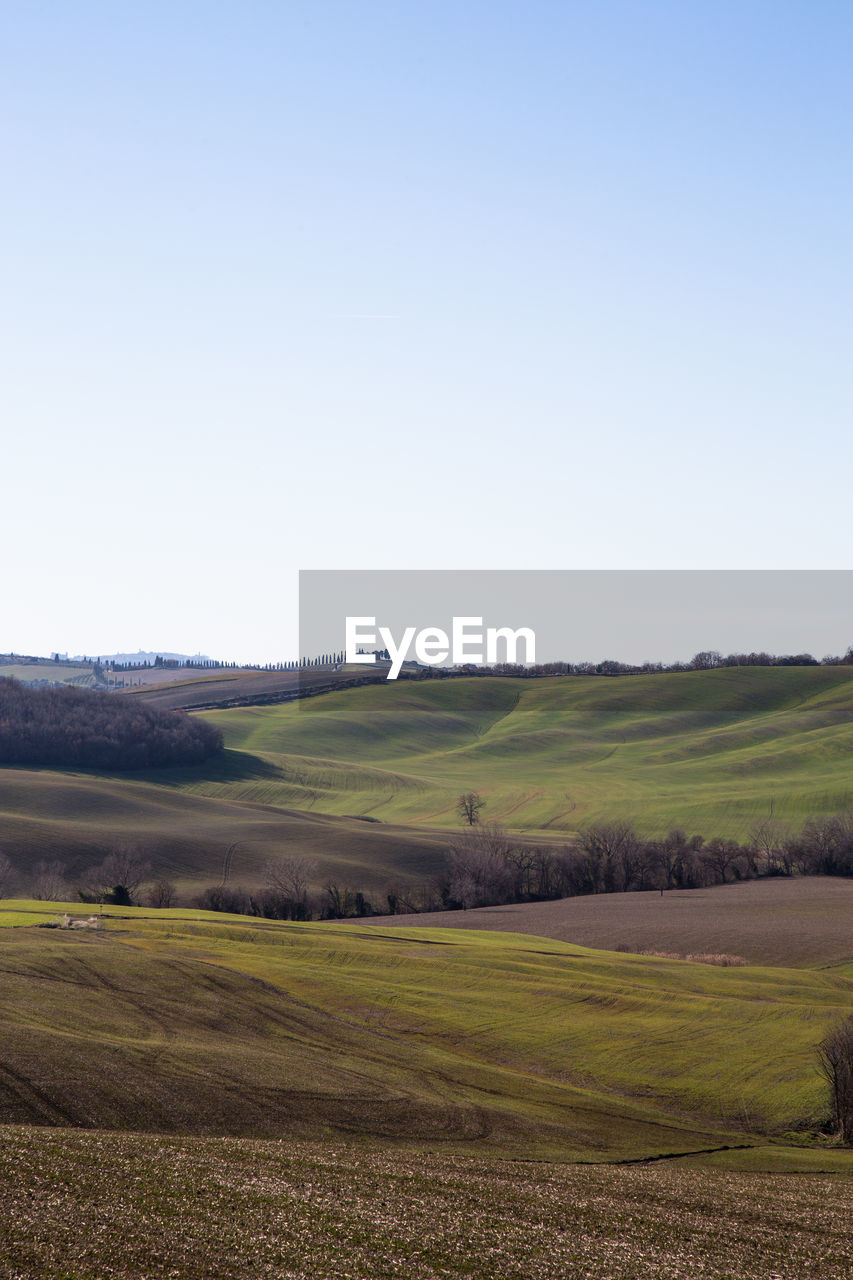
{"points": [[81, 1206], [191, 1095], [512, 1045], [711, 750], [79, 817], [56, 673], [32, 911]]}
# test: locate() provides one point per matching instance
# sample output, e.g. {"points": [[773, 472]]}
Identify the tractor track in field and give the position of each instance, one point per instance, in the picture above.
{"points": [[32, 1097]]}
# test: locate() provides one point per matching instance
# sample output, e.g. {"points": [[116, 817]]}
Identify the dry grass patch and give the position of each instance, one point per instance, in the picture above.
{"points": [[723, 960]]}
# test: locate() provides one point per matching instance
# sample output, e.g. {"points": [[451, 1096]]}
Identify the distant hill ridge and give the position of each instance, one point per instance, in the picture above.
{"points": [[151, 655]]}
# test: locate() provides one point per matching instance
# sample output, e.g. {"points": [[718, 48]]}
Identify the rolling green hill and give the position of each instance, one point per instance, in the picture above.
{"points": [[189, 1023], [713, 751], [78, 818]]}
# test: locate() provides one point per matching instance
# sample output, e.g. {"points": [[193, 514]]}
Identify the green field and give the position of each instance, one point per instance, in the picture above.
{"points": [[196, 1095], [186, 1022], [366, 780], [79, 817], [61, 673], [713, 751], [187, 1094]]}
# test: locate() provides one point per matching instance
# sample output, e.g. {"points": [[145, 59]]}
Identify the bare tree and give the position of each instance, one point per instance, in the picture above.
{"points": [[676, 860], [469, 807], [769, 848], [340, 903], [707, 660], [129, 867], [217, 897], [162, 894], [612, 854], [119, 877], [289, 879], [835, 1060], [722, 856], [291, 876], [824, 846], [524, 862], [545, 873], [5, 875], [480, 867], [49, 884]]}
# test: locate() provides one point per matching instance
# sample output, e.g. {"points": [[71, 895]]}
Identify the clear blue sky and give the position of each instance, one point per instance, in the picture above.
{"points": [[445, 285]]}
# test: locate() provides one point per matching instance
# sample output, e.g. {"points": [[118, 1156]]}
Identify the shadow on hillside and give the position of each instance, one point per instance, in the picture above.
{"points": [[230, 766]]}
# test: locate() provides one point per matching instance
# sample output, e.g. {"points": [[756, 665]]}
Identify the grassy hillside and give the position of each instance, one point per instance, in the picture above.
{"points": [[193, 1024], [713, 751], [80, 817], [710, 750], [50, 671]]}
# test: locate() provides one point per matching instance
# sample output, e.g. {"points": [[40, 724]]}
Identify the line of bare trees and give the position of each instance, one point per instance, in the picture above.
{"points": [[124, 877], [285, 895], [706, 660], [483, 866], [486, 866]]}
